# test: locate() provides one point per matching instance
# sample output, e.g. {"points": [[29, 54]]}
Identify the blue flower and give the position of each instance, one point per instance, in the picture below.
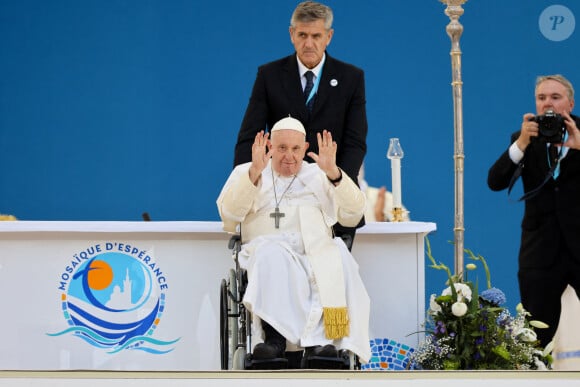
{"points": [[494, 296], [440, 327]]}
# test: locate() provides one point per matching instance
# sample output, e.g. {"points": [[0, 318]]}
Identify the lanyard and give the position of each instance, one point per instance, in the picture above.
{"points": [[315, 86], [552, 173], [561, 153]]}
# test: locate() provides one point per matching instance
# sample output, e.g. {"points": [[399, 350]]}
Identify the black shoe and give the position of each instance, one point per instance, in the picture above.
{"points": [[323, 357], [328, 350], [265, 351]]}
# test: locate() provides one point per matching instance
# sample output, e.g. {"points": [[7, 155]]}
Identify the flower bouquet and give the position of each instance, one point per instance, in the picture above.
{"points": [[468, 330]]}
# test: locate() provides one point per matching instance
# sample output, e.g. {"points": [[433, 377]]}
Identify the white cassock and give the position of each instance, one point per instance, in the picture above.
{"points": [[282, 288]]}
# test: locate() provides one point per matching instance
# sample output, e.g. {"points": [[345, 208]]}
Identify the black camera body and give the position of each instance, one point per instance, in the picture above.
{"points": [[551, 127]]}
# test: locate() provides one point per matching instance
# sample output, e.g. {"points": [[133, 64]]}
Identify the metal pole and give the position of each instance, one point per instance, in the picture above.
{"points": [[454, 30]]}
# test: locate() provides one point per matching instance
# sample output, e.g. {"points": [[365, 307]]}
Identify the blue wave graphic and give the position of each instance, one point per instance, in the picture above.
{"points": [[114, 331], [146, 339], [83, 330], [152, 351], [141, 343]]}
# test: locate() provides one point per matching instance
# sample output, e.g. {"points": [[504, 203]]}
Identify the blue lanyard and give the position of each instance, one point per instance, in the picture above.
{"points": [[562, 148], [315, 86]]}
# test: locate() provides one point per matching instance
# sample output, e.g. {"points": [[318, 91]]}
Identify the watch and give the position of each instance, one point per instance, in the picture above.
{"points": [[339, 178]]}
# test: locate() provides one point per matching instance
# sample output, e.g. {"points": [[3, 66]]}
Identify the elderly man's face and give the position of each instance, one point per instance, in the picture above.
{"points": [[552, 95], [310, 41], [289, 148]]}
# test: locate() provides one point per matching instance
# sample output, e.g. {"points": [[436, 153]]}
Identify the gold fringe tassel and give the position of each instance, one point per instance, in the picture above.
{"points": [[336, 324]]}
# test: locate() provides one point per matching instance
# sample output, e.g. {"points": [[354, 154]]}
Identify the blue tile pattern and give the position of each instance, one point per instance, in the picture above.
{"points": [[388, 355]]}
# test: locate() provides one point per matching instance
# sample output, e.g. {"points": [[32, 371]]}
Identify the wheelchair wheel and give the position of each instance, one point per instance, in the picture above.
{"points": [[224, 329], [229, 323], [234, 314]]}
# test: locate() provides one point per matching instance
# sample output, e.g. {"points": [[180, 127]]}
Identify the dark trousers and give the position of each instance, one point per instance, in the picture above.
{"points": [[541, 290]]}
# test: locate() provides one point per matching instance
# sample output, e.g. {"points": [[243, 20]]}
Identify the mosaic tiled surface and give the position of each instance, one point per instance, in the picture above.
{"points": [[388, 355]]}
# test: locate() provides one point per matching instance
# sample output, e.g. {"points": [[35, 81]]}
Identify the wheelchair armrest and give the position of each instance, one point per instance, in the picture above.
{"points": [[235, 242]]}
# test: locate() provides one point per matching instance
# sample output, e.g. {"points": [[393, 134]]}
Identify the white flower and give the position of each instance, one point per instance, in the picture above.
{"points": [[520, 309], [539, 324], [549, 348], [459, 309], [527, 335], [434, 307], [462, 290]]}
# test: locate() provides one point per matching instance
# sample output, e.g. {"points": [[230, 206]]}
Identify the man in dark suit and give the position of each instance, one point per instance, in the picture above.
{"points": [[336, 95], [549, 257]]}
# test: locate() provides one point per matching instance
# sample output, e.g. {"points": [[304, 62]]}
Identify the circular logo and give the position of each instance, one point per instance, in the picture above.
{"points": [[113, 297], [557, 23]]}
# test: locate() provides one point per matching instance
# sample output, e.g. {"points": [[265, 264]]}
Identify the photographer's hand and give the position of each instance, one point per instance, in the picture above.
{"points": [[529, 129], [573, 140]]}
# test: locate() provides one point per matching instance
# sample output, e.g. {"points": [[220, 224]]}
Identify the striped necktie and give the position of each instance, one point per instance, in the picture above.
{"points": [[309, 85]]}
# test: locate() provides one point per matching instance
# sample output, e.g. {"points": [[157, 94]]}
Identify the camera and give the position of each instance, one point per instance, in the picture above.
{"points": [[551, 127]]}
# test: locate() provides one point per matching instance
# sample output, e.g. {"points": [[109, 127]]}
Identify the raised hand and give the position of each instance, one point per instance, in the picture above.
{"points": [[326, 157], [573, 140], [528, 130], [261, 153]]}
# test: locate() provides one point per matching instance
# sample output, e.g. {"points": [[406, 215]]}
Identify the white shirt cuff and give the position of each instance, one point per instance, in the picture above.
{"points": [[516, 153]]}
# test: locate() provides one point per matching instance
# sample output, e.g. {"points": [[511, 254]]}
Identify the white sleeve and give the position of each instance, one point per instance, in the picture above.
{"points": [[516, 153], [236, 199], [350, 200]]}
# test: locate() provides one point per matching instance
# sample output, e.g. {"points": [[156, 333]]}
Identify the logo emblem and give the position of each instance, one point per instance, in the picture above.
{"points": [[113, 297], [557, 23]]}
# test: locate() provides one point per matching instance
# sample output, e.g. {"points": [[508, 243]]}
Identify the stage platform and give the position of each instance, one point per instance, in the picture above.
{"points": [[290, 379]]}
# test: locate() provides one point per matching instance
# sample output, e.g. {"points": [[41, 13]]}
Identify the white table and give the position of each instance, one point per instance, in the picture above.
{"points": [[187, 261]]}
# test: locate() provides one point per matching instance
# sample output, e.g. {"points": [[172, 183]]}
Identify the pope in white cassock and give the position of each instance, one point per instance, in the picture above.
{"points": [[304, 288]]}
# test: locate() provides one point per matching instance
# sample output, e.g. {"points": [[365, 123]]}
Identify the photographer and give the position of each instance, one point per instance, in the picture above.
{"points": [[545, 153]]}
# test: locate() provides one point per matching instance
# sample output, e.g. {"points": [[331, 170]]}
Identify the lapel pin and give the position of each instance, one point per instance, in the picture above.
{"points": [[333, 82]]}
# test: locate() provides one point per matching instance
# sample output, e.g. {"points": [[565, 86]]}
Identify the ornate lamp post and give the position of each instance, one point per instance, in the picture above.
{"points": [[454, 30]]}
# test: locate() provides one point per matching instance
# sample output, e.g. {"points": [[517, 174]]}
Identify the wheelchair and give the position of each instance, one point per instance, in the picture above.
{"points": [[236, 328]]}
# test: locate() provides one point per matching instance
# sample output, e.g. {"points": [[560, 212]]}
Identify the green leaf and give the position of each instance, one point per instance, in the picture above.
{"points": [[447, 298], [501, 352]]}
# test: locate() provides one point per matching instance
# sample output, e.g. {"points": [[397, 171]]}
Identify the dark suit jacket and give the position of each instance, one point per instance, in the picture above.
{"points": [[553, 212], [340, 107]]}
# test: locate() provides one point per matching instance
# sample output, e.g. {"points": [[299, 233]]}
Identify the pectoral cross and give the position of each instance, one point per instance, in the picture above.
{"points": [[277, 215]]}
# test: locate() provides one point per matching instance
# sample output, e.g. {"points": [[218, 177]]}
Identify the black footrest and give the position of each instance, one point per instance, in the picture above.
{"points": [[278, 363], [326, 363]]}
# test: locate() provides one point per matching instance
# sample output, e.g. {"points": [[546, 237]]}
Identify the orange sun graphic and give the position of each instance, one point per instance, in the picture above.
{"points": [[100, 275]]}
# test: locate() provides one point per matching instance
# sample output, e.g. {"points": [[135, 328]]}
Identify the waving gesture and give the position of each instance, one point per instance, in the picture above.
{"points": [[326, 157], [261, 153]]}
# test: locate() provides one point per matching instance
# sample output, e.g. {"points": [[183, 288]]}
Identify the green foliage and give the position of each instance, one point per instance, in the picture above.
{"points": [[467, 330]]}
